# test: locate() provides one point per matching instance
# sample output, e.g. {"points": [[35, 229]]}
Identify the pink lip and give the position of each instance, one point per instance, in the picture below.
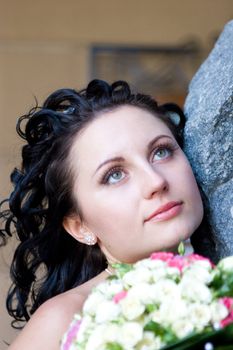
{"points": [[166, 212]]}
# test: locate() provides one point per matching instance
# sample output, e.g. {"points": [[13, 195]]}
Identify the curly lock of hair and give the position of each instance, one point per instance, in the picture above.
{"points": [[48, 261]]}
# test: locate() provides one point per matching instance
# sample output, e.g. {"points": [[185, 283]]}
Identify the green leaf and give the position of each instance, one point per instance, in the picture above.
{"points": [[181, 248], [222, 285], [165, 333], [221, 340], [113, 346], [122, 269], [151, 307], [154, 327]]}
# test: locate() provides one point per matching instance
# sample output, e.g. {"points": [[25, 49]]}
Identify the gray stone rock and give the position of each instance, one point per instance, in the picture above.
{"points": [[209, 141]]}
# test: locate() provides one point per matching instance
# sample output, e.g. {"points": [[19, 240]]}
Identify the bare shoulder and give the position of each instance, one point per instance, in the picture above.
{"points": [[47, 326], [50, 321]]}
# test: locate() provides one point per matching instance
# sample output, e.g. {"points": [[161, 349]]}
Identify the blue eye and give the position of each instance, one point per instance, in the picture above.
{"points": [[162, 153], [114, 176]]}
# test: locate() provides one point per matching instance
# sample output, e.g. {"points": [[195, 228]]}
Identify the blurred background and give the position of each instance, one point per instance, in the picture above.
{"points": [[157, 45]]}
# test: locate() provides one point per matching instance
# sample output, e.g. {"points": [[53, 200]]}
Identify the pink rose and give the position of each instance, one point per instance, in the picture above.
{"points": [[72, 333], [164, 256], [228, 302], [119, 296], [197, 257], [179, 262], [226, 321]]}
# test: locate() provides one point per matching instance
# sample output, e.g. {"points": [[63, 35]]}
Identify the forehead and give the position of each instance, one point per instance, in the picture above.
{"points": [[115, 132]]}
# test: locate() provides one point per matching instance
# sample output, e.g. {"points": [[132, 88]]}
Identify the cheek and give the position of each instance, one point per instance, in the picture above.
{"points": [[192, 192], [107, 213], [191, 184], [114, 215]]}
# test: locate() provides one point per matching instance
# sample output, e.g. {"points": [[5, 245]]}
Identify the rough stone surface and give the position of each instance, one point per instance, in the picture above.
{"points": [[209, 139]]}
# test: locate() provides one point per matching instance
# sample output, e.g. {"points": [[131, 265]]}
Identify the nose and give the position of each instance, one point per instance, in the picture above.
{"points": [[154, 182]]}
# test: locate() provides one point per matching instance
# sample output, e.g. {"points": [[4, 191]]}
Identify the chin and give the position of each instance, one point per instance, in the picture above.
{"points": [[185, 228], [179, 235]]}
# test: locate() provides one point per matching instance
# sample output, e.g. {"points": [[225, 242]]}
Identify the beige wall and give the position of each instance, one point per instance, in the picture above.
{"points": [[44, 45]]}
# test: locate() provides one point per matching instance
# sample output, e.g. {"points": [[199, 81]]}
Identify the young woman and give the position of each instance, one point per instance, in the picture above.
{"points": [[103, 179]]}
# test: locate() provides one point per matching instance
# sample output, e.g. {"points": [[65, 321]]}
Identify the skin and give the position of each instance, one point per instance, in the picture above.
{"points": [[142, 178], [116, 198]]}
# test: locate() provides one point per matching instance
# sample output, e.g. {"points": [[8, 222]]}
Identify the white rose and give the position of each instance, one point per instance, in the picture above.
{"points": [[172, 309], [130, 334], [110, 333], [172, 272], [200, 273], [159, 273], [131, 307], [90, 304], [73, 346], [199, 315], [194, 290], [101, 335], [150, 342], [109, 288], [226, 264], [165, 288], [182, 327], [142, 292], [139, 275], [204, 263], [95, 340], [150, 263], [86, 325], [107, 311], [218, 311]]}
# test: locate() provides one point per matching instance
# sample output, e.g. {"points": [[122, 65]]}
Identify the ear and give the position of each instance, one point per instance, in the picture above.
{"points": [[74, 226]]}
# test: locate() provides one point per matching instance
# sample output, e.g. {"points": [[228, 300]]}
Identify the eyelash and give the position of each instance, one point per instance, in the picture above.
{"points": [[106, 176], [170, 147]]}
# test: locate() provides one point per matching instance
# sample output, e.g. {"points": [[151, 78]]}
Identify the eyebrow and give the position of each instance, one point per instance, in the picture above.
{"points": [[121, 159], [154, 140], [110, 160]]}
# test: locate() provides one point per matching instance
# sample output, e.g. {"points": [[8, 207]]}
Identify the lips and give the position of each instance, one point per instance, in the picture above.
{"points": [[166, 212]]}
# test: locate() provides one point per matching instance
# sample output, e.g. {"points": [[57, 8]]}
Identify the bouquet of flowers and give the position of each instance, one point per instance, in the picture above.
{"points": [[164, 302]]}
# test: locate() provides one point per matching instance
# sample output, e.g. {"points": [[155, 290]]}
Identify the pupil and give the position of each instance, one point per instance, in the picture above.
{"points": [[161, 152], [117, 175]]}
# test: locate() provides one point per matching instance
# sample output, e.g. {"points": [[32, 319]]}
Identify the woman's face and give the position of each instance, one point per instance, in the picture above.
{"points": [[134, 185]]}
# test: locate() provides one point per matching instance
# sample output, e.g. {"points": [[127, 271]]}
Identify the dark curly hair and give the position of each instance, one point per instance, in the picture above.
{"points": [[48, 261]]}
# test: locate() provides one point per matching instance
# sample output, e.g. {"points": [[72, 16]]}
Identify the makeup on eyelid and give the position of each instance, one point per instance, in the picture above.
{"points": [[145, 173], [151, 146], [169, 147]]}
